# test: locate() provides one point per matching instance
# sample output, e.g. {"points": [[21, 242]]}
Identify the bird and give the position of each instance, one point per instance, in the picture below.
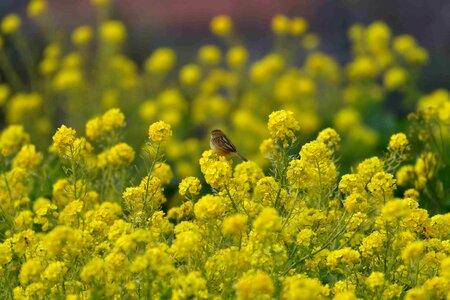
{"points": [[222, 145]]}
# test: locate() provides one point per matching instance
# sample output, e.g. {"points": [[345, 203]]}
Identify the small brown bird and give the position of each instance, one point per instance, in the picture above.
{"points": [[222, 145]]}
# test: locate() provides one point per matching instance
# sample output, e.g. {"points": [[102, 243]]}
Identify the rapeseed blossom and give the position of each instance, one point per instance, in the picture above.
{"points": [[159, 132]]}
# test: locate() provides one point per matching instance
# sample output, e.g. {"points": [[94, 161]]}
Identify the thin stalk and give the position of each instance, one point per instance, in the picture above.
{"points": [[149, 172], [325, 245], [231, 198], [10, 73]]}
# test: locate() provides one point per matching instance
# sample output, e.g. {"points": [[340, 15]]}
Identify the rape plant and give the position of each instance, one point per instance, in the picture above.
{"points": [[301, 230]]}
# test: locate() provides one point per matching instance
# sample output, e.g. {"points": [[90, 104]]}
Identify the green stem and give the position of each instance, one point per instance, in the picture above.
{"points": [[325, 245], [73, 171], [14, 80], [27, 57], [231, 198], [6, 216], [149, 173]]}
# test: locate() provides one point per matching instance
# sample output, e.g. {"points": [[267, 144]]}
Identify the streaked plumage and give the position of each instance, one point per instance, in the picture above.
{"points": [[222, 145]]}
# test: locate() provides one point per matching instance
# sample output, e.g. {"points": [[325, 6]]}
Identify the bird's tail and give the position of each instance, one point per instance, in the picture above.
{"points": [[240, 156]]}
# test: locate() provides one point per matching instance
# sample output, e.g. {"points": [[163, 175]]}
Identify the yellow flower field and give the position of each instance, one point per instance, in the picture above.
{"points": [[109, 190]]}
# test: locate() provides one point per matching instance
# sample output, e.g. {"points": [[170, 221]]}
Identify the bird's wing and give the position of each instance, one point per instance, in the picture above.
{"points": [[225, 143]]}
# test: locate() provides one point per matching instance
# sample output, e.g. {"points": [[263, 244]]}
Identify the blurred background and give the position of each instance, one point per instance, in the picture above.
{"points": [[183, 25]]}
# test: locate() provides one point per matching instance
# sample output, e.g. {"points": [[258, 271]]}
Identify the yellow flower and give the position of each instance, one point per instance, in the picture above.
{"points": [[27, 157], [310, 41], [10, 23], [267, 147], [190, 74], [445, 267], [221, 25], [426, 165], [63, 139], [30, 271], [54, 271], [398, 142], [297, 173], [163, 172], [369, 167], [438, 287], [301, 287], [36, 7], [209, 55], [330, 138], [187, 244], [382, 185], [209, 207], [254, 285], [267, 221], [21, 106], [94, 270], [355, 202], [395, 210], [113, 32], [363, 67], [118, 155], [373, 244], [153, 190], [395, 78], [306, 87], [375, 280], [248, 172], [280, 25], [100, 2], [412, 251], [282, 125], [82, 35], [113, 119], [4, 93], [235, 225], [266, 189], [161, 61], [190, 286], [67, 78], [48, 66], [314, 170], [305, 237], [12, 138], [403, 43], [351, 183], [159, 132], [298, 26], [347, 295], [435, 105], [345, 256], [237, 56], [5, 253], [148, 110], [133, 198], [217, 169], [346, 119], [189, 186], [377, 36]]}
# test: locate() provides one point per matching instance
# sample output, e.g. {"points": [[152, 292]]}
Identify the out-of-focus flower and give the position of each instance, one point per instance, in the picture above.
{"points": [[10, 23], [221, 25], [113, 32]]}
